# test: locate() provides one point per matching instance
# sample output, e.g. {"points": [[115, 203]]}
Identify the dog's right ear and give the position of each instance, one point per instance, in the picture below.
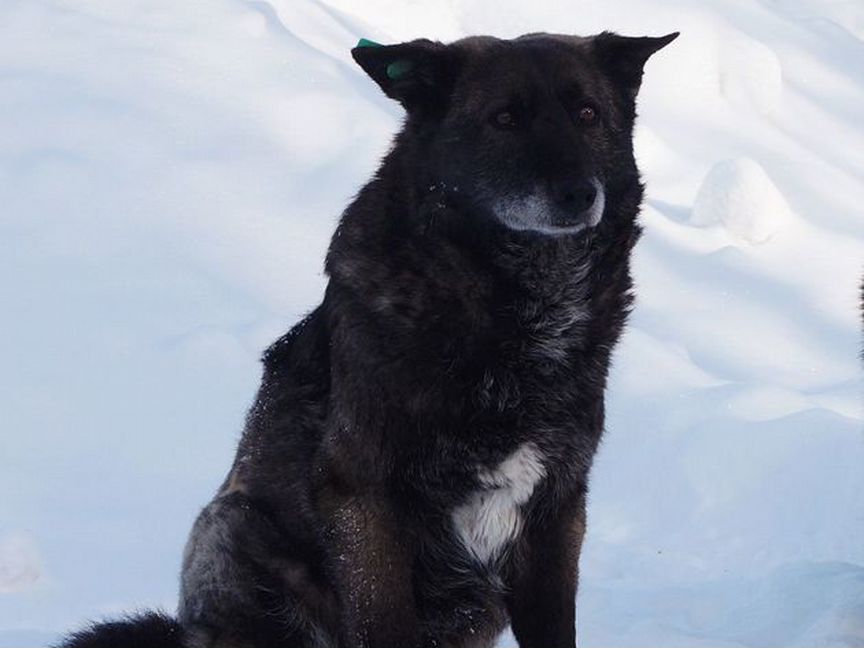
{"points": [[623, 57], [418, 74]]}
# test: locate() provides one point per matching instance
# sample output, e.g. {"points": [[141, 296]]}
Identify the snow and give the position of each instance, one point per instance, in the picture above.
{"points": [[739, 195], [170, 174], [20, 563], [751, 75]]}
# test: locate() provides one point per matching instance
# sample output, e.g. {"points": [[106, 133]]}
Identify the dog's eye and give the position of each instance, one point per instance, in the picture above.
{"points": [[505, 120], [586, 114]]}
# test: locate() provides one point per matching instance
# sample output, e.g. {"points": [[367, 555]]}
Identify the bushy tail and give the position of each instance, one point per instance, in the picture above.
{"points": [[149, 630]]}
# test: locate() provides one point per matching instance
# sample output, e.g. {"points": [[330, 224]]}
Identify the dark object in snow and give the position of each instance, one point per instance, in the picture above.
{"points": [[414, 470]]}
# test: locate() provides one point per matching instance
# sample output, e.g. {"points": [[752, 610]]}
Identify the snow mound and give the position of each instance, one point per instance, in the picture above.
{"points": [[20, 563], [739, 195], [750, 74]]}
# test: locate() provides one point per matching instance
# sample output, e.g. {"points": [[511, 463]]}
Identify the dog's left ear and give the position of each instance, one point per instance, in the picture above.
{"points": [[624, 57], [418, 74]]}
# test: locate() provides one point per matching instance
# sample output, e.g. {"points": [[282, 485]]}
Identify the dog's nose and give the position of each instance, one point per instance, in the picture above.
{"points": [[578, 196]]}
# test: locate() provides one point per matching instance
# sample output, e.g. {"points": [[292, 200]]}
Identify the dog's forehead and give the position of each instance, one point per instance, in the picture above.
{"points": [[538, 58], [478, 45]]}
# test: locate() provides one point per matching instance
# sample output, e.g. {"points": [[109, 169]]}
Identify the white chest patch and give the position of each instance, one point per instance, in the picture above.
{"points": [[492, 516]]}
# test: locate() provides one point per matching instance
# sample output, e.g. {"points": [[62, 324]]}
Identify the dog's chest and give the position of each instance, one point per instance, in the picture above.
{"points": [[492, 516], [551, 328]]}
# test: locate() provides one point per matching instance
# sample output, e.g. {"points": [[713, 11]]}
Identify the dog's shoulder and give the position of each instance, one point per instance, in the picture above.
{"points": [[300, 348]]}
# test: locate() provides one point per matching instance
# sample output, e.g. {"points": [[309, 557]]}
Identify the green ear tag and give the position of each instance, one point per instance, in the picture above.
{"points": [[365, 42], [399, 69]]}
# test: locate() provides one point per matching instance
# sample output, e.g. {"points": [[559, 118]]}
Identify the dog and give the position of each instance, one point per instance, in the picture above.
{"points": [[414, 470]]}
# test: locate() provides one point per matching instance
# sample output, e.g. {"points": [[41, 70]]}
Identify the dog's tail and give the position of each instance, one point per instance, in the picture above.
{"points": [[148, 630]]}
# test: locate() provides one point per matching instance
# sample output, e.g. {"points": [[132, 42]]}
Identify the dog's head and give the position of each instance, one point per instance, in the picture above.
{"points": [[535, 131]]}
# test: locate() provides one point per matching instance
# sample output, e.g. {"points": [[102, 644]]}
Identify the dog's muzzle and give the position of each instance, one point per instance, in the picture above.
{"points": [[578, 204], [565, 209]]}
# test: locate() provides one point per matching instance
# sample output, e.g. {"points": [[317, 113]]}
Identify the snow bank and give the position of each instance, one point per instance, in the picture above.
{"points": [[750, 74], [739, 195]]}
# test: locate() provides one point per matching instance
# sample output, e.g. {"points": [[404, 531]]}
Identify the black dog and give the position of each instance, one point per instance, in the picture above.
{"points": [[414, 470]]}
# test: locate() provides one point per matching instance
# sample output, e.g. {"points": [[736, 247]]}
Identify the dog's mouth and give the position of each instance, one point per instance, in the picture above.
{"points": [[539, 212]]}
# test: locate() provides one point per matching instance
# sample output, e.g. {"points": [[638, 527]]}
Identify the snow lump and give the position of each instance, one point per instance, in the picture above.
{"points": [[739, 195]]}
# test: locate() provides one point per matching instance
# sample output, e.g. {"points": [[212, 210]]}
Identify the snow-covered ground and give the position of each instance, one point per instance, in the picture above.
{"points": [[170, 173]]}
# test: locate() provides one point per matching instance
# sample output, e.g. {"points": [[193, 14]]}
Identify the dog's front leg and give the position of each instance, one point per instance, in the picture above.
{"points": [[542, 599], [371, 560]]}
